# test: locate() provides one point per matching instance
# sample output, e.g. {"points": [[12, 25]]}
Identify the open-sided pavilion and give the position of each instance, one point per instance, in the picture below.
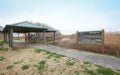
{"points": [[27, 28]]}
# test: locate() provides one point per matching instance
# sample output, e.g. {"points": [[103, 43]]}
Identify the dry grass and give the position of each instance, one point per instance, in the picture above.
{"points": [[112, 44], [31, 62]]}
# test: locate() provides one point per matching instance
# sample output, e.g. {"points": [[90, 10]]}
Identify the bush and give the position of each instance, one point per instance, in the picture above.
{"points": [[25, 67], [1, 42]]}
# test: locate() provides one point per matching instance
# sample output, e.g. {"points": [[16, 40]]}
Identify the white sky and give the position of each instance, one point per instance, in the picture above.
{"points": [[67, 16]]}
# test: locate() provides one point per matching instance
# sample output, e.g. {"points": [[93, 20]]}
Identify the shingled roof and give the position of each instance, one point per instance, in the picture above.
{"points": [[1, 28], [50, 29], [28, 27], [24, 27]]}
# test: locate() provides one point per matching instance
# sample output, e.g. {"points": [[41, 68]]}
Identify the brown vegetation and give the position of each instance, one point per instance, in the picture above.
{"points": [[112, 44]]}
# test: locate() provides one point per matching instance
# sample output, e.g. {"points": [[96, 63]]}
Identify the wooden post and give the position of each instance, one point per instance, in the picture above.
{"points": [[29, 37], [11, 38], [18, 36], [36, 37], [54, 36], [44, 35], [103, 37], [77, 38], [4, 37], [25, 37]]}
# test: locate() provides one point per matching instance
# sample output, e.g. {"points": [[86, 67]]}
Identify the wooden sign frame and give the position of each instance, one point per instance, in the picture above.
{"points": [[91, 37]]}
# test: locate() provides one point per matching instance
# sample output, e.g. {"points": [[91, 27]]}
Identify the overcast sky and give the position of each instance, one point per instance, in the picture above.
{"points": [[66, 15]]}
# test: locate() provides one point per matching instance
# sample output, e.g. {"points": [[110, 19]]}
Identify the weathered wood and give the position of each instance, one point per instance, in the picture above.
{"points": [[103, 37], [44, 36], [54, 36], [11, 38], [4, 37], [29, 37], [25, 37], [36, 40]]}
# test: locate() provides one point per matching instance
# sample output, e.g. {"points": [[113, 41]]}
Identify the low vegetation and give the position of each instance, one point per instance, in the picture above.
{"points": [[1, 73], [1, 42], [36, 62], [90, 72], [41, 66], [50, 54], [77, 73], [106, 71], [17, 62], [70, 63], [112, 43], [3, 49], [9, 67], [2, 58], [85, 62], [25, 67]]}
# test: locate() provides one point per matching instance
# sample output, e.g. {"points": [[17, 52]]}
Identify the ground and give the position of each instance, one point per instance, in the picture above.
{"points": [[31, 61]]}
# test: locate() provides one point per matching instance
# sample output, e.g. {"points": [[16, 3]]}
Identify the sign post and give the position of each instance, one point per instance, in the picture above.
{"points": [[103, 46]]}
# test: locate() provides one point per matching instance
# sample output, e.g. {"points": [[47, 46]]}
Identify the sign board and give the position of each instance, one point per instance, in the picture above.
{"points": [[92, 37]]}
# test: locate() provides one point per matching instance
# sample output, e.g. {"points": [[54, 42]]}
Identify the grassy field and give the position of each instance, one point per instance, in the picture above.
{"points": [[30, 61]]}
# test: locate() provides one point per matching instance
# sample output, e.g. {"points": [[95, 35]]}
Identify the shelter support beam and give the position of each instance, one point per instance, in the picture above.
{"points": [[103, 38], [29, 37], [11, 38], [36, 37], [5, 37], [25, 37], [44, 36], [54, 36]]}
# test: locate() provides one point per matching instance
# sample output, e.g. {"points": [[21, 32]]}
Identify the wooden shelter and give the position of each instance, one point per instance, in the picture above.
{"points": [[1, 34], [27, 28]]}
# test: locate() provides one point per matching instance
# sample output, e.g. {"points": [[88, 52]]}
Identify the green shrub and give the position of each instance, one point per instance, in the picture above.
{"points": [[25, 67], [1, 42], [106, 71], [77, 73], [37, 50], [85, 62], [2, 58], [41, 66], [70, 63], [9, 67], [17, 62], [90, 72], [50, 54]]}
